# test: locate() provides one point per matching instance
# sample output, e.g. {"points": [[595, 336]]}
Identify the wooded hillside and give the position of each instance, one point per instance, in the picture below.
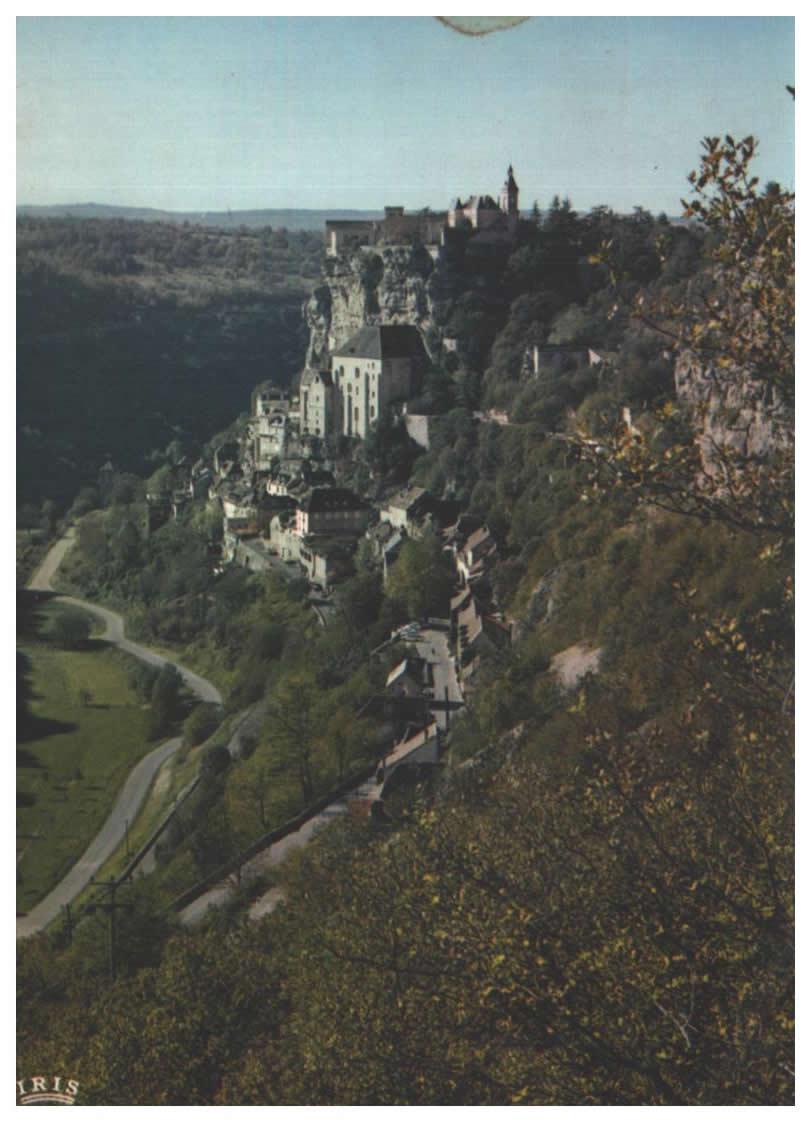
{"points": [[132, 334], [592, 902]]}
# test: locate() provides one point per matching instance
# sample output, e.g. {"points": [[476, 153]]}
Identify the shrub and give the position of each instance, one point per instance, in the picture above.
{"points": [[70, 628], [201, 723]]}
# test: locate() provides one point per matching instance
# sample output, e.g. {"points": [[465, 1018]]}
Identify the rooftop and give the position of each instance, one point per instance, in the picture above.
{"points": [[332, 498], [310, 376], [393, 340], [406, 498], [477, 537], [414, 667]]}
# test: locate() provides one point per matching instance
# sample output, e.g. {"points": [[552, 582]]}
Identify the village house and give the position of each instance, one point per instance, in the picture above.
{"points": [[404, 509], [324, 560], [416, 511], [473, 632], [320, 403], [273, 427], [236, 530], [474, 556], [379, 365], [320, 533], [410, 678], [294, 475], [331, 510], [239, 507], [268, 505]]}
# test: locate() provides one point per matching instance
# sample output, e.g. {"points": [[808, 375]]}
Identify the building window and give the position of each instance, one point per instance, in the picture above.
{"points": [[372, 411], [357, 417]]}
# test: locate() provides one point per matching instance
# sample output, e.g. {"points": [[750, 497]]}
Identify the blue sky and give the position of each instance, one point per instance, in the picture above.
{"points": [[236, 113]]}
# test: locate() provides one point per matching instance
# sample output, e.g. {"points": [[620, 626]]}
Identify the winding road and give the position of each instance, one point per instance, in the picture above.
{"points": [[140, 778]]}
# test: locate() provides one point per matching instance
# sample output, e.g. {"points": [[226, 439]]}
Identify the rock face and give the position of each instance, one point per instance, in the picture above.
{"points": [[388, 284], [575, 663], [736, 417]]}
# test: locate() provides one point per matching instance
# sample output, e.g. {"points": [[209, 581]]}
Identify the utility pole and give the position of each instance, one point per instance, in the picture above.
{"points": [[68, 922], [112, 887]]}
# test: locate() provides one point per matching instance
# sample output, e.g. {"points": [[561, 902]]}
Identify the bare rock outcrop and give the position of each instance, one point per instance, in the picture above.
{"points": [[737, 417], [381, 285]]}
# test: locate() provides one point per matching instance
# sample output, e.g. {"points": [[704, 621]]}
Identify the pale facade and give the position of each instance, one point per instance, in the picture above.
{"points": [[274, 423], [395, 228], [375, 368], [482, 212], [319, 403]]}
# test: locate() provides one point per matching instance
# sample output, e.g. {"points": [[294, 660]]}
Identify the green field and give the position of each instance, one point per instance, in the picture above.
{"points": [[85, 733]]}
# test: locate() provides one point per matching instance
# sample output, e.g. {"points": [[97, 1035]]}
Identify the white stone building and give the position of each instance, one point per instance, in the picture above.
{"points": [[320, 403], [376, 367], [274, 424]]}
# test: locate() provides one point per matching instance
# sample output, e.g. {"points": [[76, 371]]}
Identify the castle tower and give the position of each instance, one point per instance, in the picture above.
{"points": [[508, 199]]}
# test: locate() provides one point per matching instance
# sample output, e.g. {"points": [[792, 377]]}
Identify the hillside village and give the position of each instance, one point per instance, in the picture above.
{"points": [[282, 501]]}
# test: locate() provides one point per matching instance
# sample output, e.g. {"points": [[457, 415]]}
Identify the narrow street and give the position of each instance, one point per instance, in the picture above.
{"points": [[431, 643]]}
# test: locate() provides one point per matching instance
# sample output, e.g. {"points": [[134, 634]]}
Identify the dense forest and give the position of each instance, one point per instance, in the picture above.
{"points": [[132, 335], [591, 902]]}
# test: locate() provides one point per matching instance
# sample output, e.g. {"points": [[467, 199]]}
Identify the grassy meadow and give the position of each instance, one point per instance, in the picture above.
{"points": [[83, 732]]}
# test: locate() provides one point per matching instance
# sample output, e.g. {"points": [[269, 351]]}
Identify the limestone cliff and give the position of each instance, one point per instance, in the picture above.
{"points": [[735, 415], [388, 284]]}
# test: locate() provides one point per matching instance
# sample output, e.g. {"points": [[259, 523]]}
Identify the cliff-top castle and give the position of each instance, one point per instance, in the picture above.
{"points": [[349, 389], [431, 228]]}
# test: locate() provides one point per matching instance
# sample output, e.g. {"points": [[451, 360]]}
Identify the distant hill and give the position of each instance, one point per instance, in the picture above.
{"points": [[223, 219], [291, 219]]}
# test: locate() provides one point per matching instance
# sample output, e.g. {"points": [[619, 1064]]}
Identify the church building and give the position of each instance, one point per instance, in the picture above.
{"points": [[379, 365]]}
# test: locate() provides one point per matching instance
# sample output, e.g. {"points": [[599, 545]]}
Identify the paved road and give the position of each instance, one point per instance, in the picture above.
{"points": [[140, 779], [113, 623], [431, 644], [103, 845], [268, 858]]}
